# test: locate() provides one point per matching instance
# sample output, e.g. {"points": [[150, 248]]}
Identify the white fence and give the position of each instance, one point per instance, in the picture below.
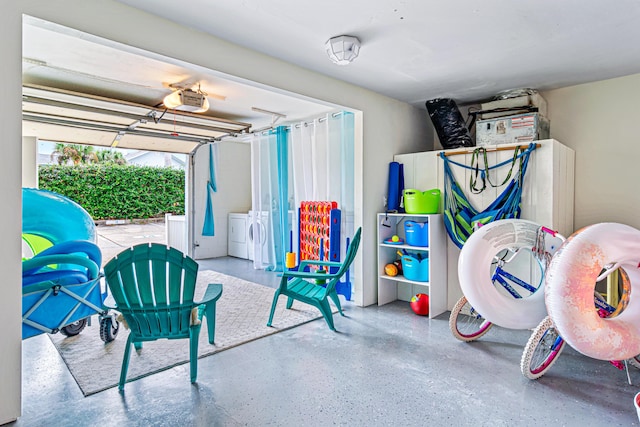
{"points": [[176, 229]]}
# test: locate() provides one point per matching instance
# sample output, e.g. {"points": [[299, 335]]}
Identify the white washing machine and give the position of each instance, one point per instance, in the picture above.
{"points": [[261, 233], [257, 232]]}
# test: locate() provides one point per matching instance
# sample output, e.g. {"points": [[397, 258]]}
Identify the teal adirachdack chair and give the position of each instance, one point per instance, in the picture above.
{"points": [[153, 286], [309, 287]]}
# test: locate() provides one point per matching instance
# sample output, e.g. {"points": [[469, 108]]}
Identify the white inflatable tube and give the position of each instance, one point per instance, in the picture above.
{"points": [[571, 281], [474, 271]]}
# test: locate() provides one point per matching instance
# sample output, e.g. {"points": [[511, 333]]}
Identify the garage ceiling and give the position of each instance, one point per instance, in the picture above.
{"points": [[414, 50], [83, 89], [78, 118]]}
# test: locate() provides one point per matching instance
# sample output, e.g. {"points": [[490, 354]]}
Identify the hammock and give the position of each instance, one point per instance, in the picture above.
{"points": [[460, 217]]}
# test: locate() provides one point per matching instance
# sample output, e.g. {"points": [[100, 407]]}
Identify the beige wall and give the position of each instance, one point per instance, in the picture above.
{"points": [[601, 122], [233, 179]]}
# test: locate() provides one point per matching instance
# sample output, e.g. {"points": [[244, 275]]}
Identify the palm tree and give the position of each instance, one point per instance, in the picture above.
{"points": [[74, 153], [64, 154], [88, 154], [111, 156]]}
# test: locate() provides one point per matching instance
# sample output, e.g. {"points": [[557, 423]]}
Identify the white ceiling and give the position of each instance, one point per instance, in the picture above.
{"points": [[414, 50], [62, 58]]}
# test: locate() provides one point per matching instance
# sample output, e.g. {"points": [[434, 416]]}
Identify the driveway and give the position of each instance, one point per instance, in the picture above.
{"points": [[112, 239]]}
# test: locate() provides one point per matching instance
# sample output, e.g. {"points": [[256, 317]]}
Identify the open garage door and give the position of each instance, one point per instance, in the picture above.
{"points": [[70, 117]]}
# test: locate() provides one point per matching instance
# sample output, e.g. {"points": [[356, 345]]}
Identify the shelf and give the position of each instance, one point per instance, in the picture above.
{"points": [[413, 248], [395, 215], [391, 288], [400, 278]]}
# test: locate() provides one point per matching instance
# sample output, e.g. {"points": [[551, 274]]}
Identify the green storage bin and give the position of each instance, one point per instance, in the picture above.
{"points": [[421, 202]]}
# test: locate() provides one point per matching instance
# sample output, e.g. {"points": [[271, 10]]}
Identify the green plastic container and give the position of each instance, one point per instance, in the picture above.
{"points": [[421, 202]]}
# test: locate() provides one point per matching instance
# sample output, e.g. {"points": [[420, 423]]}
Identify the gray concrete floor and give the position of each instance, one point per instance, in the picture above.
{"points": [[385, 366], [113, 239]]}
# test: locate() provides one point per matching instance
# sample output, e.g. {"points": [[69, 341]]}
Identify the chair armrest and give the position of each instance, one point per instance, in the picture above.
{"points": [[213, 292], [207, 307]]}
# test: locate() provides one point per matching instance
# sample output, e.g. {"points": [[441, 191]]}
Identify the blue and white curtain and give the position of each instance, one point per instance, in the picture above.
{"points": [[322, 154], [311, 160], [269, 182]]}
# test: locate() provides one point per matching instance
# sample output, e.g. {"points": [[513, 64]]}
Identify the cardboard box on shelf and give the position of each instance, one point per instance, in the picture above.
{"points": [[520, 128], [534, 100]]}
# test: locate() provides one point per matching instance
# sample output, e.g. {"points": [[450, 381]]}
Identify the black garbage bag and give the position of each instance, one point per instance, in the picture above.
{"points": [[450, 126]]}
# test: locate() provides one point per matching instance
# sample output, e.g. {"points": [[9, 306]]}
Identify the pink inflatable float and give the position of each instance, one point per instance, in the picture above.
{"points": [[571, 281]]}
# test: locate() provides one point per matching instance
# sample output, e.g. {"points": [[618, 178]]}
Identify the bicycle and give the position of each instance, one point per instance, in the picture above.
{"points": [[465, 322], [545, 343]]}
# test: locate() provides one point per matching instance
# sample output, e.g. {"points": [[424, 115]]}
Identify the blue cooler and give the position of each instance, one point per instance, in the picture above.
{"points": [[415, 269], [416, 233]]}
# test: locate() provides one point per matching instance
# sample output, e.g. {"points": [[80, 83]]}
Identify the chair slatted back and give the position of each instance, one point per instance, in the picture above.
{"points": [[153, 286], [348, 259]]}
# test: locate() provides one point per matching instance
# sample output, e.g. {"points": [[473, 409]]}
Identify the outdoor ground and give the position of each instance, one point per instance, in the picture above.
{"points": [[112, 239]]}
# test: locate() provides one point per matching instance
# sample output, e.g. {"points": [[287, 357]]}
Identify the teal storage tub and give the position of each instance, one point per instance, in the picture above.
{"points": [[415, 269], [416, 233]]}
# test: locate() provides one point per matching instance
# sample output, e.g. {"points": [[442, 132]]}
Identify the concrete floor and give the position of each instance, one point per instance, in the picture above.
{"points": [[113, 239], [385, 366]]}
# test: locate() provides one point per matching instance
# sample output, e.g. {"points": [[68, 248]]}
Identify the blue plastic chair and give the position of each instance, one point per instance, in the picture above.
{"points": [[61, 289], [153, 287], [310, 287]]}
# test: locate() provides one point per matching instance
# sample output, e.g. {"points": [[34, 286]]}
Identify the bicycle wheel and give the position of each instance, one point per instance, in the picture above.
{"points": [[542, 350], [466, 323]]}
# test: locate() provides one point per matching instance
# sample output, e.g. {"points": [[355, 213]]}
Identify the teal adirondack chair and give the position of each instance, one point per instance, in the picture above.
{"points": [[307, 287], [153, 287]]}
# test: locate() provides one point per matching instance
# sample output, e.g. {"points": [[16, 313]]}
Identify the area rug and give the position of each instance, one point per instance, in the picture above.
{"points": [[241, 316]]}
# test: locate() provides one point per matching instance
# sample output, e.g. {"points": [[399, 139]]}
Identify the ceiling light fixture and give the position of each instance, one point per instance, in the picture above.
{"points": [[187, 100], [342, 49]]}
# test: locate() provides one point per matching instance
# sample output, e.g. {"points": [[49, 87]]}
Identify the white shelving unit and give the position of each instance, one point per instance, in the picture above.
{"points": [[391, 288]]}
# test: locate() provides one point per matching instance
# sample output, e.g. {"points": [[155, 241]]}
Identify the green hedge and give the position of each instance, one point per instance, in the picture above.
{"points": [[118, 192]]}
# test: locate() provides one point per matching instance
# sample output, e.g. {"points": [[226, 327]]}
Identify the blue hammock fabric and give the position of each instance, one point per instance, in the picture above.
{"points": [[461, 218], [208, 228]]}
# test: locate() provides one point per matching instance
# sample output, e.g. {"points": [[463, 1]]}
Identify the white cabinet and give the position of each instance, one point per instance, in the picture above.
{"points": [[237, 235], [391, 288]]}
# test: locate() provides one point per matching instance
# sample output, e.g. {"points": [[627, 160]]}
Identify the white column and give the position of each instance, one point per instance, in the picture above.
{"points": [[30, 161], [10, 226]]}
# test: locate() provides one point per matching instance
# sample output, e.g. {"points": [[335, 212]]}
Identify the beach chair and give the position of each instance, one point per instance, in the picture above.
{"points": [[310, 287], [61, 290], [153, 287]]}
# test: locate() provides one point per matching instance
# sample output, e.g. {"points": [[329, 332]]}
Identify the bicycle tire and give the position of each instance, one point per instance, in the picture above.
{"points": [[465, 323], [539, 354]]}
